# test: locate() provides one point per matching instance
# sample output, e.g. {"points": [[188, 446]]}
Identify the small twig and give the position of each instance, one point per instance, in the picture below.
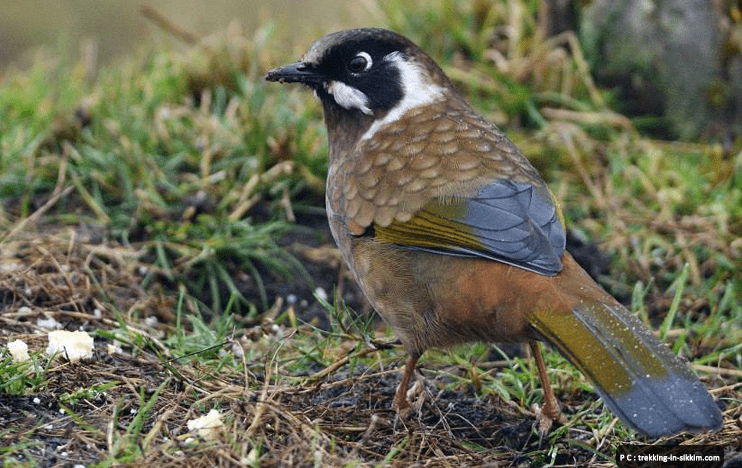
{"points": [[37, 214], [157, 426], [340, 363], [286, 204], [717, 370], [166, 25], [592, 118], [261, 406], [726, 388]]}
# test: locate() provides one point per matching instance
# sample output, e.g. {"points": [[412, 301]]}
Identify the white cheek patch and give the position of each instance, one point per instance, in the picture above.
{"points": [[416, 90], [348, 97]]}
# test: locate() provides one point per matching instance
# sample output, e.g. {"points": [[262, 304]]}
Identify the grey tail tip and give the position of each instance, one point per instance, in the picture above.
{"points": [[667, 406]]}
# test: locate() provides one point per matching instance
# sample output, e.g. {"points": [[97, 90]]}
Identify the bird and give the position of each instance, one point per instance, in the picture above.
{"points": [[454, 237]]}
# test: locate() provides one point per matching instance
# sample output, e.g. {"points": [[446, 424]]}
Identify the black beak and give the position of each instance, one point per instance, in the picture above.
{"points": [[298, 72]]}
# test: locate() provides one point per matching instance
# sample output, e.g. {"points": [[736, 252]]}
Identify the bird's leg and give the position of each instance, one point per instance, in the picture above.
{"points": [[400, 403], [550, 411]]}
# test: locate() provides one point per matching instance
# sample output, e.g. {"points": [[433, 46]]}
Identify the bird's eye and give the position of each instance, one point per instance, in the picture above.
{"points": [[360, 63]]}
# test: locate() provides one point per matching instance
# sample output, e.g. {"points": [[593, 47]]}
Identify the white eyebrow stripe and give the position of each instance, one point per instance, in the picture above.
{"points": [[417, 92], [348, 97]]}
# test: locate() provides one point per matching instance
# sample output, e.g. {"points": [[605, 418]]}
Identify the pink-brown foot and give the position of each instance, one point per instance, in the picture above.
{"points": [[550, 412], [400, 404]]}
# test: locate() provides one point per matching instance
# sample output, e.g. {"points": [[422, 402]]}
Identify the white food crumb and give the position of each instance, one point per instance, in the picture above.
{"points": [[208, 426], [19, 350], [73, 345]]}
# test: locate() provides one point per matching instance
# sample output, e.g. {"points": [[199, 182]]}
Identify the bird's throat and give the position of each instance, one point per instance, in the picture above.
{"points": [[345, 127]]}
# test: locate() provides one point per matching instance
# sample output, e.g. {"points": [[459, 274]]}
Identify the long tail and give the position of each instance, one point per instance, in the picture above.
{"points": [[637, 375]]}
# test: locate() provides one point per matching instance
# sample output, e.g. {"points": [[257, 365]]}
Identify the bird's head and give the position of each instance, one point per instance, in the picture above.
{"points": [[366, 76]]}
